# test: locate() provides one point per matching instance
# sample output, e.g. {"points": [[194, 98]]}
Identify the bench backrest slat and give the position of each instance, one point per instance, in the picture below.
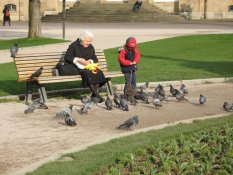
{"points": [[26, 64]]}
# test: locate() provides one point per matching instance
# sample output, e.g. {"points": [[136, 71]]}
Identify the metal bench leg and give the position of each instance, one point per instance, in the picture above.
{"points": [[28, 93], [42, 93], [109, 87]]}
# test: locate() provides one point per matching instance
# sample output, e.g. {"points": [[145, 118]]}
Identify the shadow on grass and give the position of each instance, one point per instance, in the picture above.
{"points": [[12, 87]]}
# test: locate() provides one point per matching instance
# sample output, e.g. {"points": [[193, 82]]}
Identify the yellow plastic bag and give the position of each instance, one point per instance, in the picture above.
{"points": [[93, 68]]}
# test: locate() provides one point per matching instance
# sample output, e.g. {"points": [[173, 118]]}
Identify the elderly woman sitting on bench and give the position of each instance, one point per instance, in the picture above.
{"points": [[82, 53]]}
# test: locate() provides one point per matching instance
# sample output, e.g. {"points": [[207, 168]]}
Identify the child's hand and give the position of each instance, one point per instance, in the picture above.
{"points": [[132, 63]]}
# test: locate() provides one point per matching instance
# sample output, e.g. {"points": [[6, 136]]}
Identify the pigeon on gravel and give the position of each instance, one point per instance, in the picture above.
{"points": [[160, 97], [142, 96], [29, 110], [180, 96], [157, 103], [108, 103], [65, 111], [132, 100], [87, 107], [36, 104], [172, 90], [160, 90], [37, 73], [14, 50], [144, 86], [84, 99], [117, 100], [124, 104], [228, 107], [184, 89], [129, 124], [202, 99], [69, 120]]}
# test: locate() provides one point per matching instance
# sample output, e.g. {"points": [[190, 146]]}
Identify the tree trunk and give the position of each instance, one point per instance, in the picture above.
{"points": [[34, 22]]}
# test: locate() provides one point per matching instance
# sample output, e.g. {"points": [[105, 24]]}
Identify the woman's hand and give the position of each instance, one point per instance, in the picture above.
{"points": [[87, 62], [81, 61]]}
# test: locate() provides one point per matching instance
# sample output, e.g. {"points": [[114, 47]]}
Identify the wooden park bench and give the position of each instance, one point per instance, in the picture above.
{"points": [[26, 64]]}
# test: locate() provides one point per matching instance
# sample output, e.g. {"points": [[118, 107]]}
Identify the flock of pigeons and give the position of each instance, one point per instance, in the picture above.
{"points": [[122, 102]]}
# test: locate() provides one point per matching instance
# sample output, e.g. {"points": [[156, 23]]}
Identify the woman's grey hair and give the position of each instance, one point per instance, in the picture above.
{"points": [[86, 34]]}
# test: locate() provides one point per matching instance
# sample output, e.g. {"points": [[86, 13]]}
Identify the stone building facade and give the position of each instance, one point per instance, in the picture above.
{"points": [[193, 9]]}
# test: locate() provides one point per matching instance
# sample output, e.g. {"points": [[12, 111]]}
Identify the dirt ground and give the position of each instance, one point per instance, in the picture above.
{"points": [[28, 140]]}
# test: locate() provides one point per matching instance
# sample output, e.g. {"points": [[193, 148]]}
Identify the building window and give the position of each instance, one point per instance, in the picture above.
{"points": [[230, 8], [12, 7]]}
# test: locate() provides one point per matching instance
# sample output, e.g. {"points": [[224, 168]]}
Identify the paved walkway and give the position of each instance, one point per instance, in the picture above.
{"points": [[108, 35]]}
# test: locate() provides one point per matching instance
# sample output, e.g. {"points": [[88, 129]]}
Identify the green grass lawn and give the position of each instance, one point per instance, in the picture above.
{"points": [[98, 157], [29, 42], [179, 58]]}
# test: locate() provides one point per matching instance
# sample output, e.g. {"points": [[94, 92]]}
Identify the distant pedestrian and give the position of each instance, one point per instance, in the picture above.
{"points": [[6, 16], [137, 6]]}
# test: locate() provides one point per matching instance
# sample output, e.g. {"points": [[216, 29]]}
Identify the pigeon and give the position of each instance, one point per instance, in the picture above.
{"points": [[69, 120], [36, 104], [180, 96], [14, 50], [129, 124], [172, 90], [65, 111], [108, 103], [160, 97], [159, 89], [157, 103], [184, 89], [29, 110], [124, 104], [84, 99], [116, 100], [202, 99], [95, 99], [87, 106], [142, 96], [144, 86], [132, 100], [37, 73], [228, 107]]}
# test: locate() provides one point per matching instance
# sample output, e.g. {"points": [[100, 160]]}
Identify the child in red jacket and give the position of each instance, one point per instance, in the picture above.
{"points": [[128, 59]]}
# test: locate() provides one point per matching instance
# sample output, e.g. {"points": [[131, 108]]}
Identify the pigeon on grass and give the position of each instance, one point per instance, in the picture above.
{"points": [[129, 124]]}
